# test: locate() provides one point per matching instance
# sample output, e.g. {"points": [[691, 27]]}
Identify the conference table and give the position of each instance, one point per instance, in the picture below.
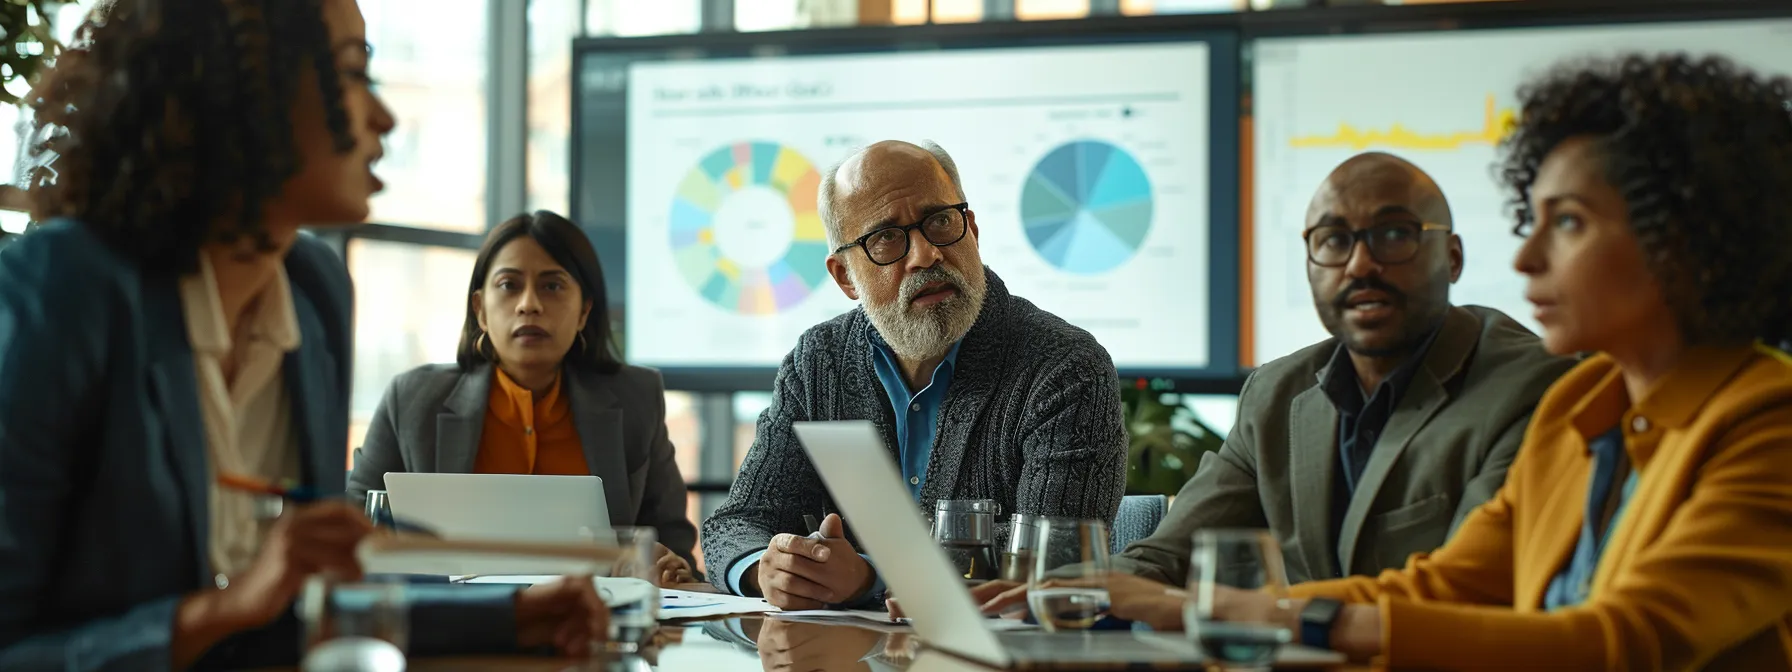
{"points": [[752, 644]]}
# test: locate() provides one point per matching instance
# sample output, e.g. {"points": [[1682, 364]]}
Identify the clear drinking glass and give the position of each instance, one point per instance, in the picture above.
{"points": [[1017, 561], [1226, 563], [1068, 590], [361, 625], [379, 509], [966, 529], [630, 586]]}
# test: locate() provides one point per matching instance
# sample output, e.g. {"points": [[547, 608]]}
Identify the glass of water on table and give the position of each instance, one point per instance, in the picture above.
{"points": [[362, 625], [1017, 561], [1068, 590], [966, 529], [630, 588], [1226, 563]]}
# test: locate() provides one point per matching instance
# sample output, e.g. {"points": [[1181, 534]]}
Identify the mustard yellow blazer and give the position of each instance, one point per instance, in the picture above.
{"points": [[1697, 574]]}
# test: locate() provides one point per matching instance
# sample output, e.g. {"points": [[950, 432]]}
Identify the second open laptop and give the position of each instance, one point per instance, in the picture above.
{"points": [[856, 467], [509, 507]]}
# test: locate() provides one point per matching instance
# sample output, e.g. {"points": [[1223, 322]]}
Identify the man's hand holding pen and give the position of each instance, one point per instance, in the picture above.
{"points": [[812, 572]]}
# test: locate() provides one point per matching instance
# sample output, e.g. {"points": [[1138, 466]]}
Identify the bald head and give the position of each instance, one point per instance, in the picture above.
{"points": [[1380, 257], [879, 173], [1383, 178]]}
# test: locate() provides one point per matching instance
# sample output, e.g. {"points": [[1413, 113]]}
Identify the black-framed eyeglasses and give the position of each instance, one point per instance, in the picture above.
{"points": [[888, 245], [1331, 244]]}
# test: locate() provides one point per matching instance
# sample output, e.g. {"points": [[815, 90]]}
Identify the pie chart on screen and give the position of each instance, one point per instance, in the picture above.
{"points": [[745, 233], [1086, 207]]}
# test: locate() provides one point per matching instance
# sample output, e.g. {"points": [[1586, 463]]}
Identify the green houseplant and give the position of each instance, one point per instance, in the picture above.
{"points": [[1167, 441]]}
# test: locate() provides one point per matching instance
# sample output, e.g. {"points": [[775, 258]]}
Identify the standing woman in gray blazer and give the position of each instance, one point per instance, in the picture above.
{"points": [[537, 388]]}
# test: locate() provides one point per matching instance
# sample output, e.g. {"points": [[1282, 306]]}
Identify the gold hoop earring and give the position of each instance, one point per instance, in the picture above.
{"points": [[479, 347], [584, 345]]}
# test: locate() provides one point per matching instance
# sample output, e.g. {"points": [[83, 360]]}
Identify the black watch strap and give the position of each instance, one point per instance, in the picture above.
{"points": [[1316, 621]]}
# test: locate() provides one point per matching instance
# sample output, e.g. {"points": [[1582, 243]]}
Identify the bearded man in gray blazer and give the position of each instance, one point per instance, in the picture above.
{"points": [[1364, 449], [977, 393]]}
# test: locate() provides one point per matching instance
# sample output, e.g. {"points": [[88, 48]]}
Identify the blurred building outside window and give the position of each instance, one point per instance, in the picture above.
{"points": [[410, 303], [1038, 10], [431, 61], [625, 18], [553, 25], [1149, 7]]}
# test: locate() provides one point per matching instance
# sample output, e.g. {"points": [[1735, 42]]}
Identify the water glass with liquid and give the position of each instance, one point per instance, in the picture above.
{"points": [[1068, 591], [631, 586], [1017, 561], [354, 626], [966, 529], [379, 509], [1225, 563]]}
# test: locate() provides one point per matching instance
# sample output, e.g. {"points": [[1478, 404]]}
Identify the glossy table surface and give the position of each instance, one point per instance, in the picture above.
{"points": [[755, 644], [751, 644]]}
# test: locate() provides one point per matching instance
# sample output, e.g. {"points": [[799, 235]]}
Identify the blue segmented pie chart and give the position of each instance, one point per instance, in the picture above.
{"points": [[1086, 207]]}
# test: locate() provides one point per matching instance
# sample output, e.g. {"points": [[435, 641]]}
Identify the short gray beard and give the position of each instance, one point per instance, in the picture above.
{"points": [[919, 334]]}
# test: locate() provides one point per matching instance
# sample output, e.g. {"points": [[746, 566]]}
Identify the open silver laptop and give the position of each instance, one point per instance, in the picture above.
{"points": [[853, 463], [508, 507]]}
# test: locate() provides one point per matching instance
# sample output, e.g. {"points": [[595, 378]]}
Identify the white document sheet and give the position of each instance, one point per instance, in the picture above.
{"points": [[682, 604]]}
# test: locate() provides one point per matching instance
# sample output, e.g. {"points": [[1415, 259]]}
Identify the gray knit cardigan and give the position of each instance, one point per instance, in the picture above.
{"points": [[1031, 420]]}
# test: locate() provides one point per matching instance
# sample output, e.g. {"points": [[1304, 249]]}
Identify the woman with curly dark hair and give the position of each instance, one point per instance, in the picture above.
{"points": [[169, 335], [1647, 523]]}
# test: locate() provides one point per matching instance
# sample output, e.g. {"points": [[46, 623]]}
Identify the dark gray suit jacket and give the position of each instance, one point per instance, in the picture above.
{"points": [[432, 417], [1444, 451], [103, 477], [1032, 420]]}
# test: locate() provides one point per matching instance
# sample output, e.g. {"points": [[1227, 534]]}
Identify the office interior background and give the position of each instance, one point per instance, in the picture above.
{"points": [[484, 92]]}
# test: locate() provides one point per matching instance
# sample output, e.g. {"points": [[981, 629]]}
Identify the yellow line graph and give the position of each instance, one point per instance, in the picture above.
{"points": [[1494, 127]]}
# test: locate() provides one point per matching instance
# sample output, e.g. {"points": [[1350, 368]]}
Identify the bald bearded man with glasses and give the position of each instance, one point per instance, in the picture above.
{"points": [[1370, 446], [978, 393]]}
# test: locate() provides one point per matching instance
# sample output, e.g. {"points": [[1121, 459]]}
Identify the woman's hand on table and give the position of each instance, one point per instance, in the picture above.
{"points": [[670, 569], [1138, 599], [565, 614], [1132, 598], [312, 539]]}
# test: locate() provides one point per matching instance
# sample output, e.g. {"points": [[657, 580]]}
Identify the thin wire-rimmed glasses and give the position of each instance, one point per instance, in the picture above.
{"points": [[1332, 244], [888, 245]]}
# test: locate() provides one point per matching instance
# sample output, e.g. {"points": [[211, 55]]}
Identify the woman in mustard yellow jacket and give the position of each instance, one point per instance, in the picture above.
{"points": [[1647, 522]]}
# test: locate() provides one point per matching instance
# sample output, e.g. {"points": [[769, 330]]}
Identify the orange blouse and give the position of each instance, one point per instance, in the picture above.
{"points": [[525, 435]]}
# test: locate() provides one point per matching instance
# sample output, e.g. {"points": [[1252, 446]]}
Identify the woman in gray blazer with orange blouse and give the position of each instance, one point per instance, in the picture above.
{"points": [[538, 389]]}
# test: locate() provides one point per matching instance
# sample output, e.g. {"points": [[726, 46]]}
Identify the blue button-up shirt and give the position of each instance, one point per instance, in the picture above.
{"points": [[1571, 586], [917, 413]]}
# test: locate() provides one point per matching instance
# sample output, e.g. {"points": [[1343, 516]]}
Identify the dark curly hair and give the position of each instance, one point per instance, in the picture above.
{"points": [[568, 245], [176, 113], [1701, 150]]}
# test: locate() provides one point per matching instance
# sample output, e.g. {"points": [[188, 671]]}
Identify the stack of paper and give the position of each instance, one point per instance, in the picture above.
{"points": [[674, 604], [881, 621], [418, 554], [684, 604]]}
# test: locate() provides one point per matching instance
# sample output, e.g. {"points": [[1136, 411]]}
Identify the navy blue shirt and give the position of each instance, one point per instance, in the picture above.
{"points": [[1361, 418], [1572, 585]]}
